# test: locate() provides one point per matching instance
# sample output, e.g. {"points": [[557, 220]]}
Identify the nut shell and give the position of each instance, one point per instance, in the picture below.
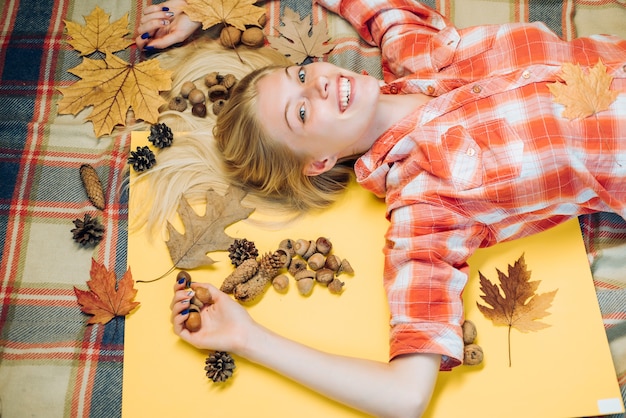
{"points": [[203, 295], [218, 105], [473, 355], [177, 103], [193, 322], [230, 36], [196, 96], [469, 332], [253, 37]]}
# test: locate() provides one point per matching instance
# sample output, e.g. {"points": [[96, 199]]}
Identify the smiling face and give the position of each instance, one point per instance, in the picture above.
{"points": [[319, 110]]}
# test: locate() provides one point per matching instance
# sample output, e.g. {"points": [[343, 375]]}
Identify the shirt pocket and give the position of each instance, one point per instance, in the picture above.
{"points": [[479, 156]]}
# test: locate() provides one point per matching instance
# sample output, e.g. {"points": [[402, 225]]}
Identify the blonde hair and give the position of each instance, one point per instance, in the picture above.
{"points": [[212, 153]]}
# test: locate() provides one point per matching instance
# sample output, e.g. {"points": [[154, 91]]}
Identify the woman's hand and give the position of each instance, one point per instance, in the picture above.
{"points": [[225, 323], [163, 25]]}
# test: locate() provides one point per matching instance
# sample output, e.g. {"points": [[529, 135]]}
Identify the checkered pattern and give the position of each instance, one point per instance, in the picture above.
{"points": [[51, 364]]}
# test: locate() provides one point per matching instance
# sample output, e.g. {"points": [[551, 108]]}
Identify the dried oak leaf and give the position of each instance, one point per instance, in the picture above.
{"points": [[299, 40], [205, 233], [237, 13], [105, 300], [583, 94], [520, 307], [112, 86], [98, 34]]}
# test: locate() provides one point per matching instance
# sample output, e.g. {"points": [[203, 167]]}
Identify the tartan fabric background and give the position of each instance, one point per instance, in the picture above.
{"points": [[51, 364]]}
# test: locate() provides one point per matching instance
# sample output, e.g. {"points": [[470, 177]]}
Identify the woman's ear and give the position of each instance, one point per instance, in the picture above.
{"points": [[314, 168]]}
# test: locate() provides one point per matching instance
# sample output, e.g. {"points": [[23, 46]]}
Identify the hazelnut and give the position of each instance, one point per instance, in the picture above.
{"points": [[316, 261], [178, 103], [469, 332], [199, 110], [184, 275], [253, 37], [193, 322], [230, 36], [473, 355], [203, 295], [186, 88], [305, 286], [335, 286], [218, 105], [196, 96]]}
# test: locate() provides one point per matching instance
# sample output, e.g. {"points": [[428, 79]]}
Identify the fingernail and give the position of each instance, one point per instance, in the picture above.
{"points": [[165, 9], [145, 35], [184, 312], [148, 48], [184, 301], [169, 14], [190, 293], [181, 280]]}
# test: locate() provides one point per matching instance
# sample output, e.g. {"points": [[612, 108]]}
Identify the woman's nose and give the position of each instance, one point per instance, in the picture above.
{"points": [[319, 86]]}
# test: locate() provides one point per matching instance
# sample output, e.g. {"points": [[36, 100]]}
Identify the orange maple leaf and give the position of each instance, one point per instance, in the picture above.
{"points": [[583, 94], [112, 86], [299, 40], [98, 34], [520, 307], [105, 300]]}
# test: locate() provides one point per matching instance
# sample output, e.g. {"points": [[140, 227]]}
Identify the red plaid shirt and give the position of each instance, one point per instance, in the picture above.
{"points": [[489, 159]]}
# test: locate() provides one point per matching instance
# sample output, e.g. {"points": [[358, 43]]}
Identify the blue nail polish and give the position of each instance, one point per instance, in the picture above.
{"points": [[165, 9], [184, 312], [181, 280], [145, 35], [148, 48]]}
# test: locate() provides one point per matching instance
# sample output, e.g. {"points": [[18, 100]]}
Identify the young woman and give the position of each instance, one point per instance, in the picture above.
{"points": [[465, 142]]}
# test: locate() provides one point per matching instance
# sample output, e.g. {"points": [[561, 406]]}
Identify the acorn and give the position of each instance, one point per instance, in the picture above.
{"points": [[335, 286], [218, 105], [280, 283], [186, 88], [217, 92], [196, 96], [253, 37], [296, 265], [301, 246], [199, 110], [230, 36], [316, 261], [288, 245], [211, 79], [305, 286], [310, 251], [323, 245], [228, 81], [333, 262], [345, 267], [304, 274], [194, 321], [324, 276], [178, 103]]}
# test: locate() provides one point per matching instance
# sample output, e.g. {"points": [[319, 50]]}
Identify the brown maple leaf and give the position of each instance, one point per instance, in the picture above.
{"points": [[583, 94], [520, 307], [98, 34], [105, 300], [299, 40], [112, 86], [205, 233], [237, 13]]}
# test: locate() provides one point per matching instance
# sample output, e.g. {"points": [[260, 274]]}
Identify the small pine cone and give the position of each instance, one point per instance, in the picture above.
{"points": [[241, 250], [143, 159], [244, 272], [161, 135], [219, 366], [271, 263], [251, 289], [93, 186], [88, 231]]}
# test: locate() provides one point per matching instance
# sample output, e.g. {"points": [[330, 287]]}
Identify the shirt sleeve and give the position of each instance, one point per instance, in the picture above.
{"points": [[392, 25], [425, 273]]}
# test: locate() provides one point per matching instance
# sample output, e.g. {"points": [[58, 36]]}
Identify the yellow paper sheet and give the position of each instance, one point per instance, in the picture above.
{"points": [[564, 370]]}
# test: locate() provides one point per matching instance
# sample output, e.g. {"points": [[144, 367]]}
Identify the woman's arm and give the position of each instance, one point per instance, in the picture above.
{"points": [[163, 25], [399, 388]]}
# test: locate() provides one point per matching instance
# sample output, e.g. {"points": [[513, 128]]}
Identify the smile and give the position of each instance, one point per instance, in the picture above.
{"points": [[344, 93]]}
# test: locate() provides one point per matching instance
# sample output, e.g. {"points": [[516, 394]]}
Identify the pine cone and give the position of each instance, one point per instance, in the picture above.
{"points": [[240, 250], [161, 135], [93, 186], [88, 231], [142, 159], [219, 366], [271, 263]]}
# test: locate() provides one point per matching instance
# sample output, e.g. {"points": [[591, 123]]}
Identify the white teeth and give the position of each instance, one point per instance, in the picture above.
{"points": [[344, 93]]}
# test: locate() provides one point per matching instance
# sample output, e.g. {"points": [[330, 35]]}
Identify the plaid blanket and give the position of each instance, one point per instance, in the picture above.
{"points": [[51, 363]]}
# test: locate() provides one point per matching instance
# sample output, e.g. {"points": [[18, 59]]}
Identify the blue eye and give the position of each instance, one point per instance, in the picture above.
{"points": [[302, 113], [301, 75]]}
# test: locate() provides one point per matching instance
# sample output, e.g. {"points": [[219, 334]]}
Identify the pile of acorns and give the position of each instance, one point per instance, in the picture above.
{"points": [[218, 89]]}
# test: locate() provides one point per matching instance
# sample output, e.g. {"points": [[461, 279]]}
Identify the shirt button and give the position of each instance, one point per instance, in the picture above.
{"points": [[470, 152], [526, 74], [393, 89], [430, 89], [476, 89]]}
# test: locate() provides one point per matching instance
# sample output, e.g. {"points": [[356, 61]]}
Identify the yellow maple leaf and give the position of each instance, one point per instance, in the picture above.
{"points": [[583, 94], [237, 13], [299, 40], [112, 86], [98, 34]]}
